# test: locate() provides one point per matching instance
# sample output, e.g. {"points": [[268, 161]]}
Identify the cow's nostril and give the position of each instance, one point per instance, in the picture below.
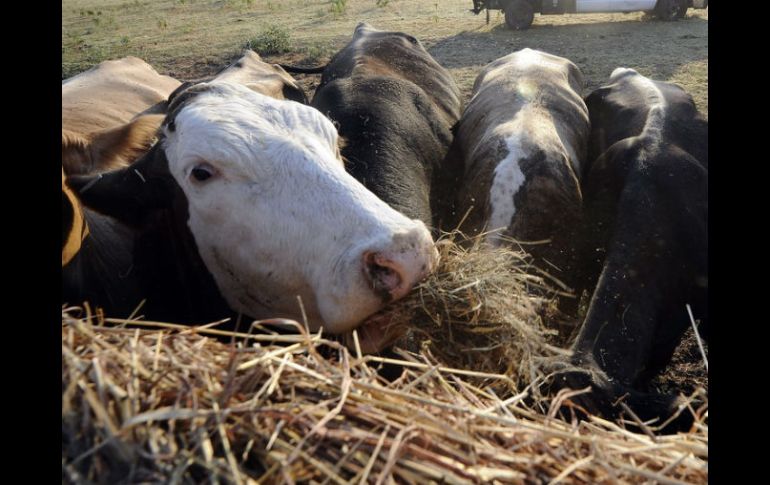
{"points": [[384, 275]]}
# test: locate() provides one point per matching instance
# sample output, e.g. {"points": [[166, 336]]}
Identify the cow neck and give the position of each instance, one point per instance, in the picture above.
{"points": [[179, 286]]}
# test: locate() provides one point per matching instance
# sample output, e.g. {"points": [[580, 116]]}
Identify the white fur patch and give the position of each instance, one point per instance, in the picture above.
{"points": [[507, 181], [528, 58], [281, 217]]}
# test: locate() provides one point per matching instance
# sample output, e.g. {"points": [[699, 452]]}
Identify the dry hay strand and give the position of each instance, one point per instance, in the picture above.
{"points": [[171, 405], [482, 309]]}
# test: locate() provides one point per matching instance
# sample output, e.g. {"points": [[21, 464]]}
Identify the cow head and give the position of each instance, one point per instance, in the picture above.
{"points": [[271, 209], [257, 75]]}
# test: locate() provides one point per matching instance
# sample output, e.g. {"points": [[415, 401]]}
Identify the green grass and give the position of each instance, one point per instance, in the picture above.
{"points": [[338, 7], [272, 40]]}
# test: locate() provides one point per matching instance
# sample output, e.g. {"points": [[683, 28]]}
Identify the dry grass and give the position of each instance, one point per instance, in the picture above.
{"points": [[483, 309], [145, 401], [174, 406]]}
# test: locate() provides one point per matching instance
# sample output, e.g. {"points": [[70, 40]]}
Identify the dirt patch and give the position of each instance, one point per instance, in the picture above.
{"points": [[676, 52], [687, 371], [189, 39]]}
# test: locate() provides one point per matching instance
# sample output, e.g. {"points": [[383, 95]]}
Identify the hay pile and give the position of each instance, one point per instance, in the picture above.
{"points": [[169, 403], [174, 406], [482, 309]]}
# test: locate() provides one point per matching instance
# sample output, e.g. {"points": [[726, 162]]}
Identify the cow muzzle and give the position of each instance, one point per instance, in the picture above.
{"points": [[392, 271]]}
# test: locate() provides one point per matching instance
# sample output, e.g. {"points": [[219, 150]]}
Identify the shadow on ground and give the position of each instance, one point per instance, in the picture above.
{"points": [[656, 49]]}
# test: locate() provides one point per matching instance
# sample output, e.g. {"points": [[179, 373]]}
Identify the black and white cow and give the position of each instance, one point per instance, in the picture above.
{"points": [[521, 146], [245, 204], [645, 240], [111, 112], [394, 106]]}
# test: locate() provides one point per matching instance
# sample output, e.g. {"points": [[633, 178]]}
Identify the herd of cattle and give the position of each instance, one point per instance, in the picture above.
{"points": [[236, 195]]}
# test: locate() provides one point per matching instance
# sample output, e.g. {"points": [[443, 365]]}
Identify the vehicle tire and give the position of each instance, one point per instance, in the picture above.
{"points": [[519, 14], [669, 9], [683, 6]]}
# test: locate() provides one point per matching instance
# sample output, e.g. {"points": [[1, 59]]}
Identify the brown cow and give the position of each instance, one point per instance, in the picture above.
{"points": [[110, 114], [257, 75]]}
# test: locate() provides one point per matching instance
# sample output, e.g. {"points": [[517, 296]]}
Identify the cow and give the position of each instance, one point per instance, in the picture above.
{"points": [[520, 147], [645, 243], [110, 114], [245, 205], [394, 106], [257, 75]]}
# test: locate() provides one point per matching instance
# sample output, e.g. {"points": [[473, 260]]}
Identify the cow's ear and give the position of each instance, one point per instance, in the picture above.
{"points": [[291, 90], [75, 153], [294, 92], [596, 95], [575, 78], [122, 145], [108, 149], [129, 194]]}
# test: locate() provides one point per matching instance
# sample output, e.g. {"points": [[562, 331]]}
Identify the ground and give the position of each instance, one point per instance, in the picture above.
{"points": [[190, 39]]}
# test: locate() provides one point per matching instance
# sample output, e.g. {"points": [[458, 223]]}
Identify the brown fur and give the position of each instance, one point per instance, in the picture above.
{"points": [[75, 227], [106, 114], [268, 79], [108, 149]]}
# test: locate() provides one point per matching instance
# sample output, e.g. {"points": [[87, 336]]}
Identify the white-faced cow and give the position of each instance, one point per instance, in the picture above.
{"points": [[245, 204], [521, 145], [646, 241], [394, 106], [110, 114]]}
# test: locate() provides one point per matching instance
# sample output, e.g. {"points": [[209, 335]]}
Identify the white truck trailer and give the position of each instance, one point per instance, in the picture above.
{"points": [[520, 13]]}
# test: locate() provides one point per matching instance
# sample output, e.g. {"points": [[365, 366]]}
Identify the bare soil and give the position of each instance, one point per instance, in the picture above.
{"points": [[189, 39]]}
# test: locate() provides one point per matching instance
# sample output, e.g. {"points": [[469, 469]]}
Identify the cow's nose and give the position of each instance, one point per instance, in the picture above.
{"points": [[395, 270]]}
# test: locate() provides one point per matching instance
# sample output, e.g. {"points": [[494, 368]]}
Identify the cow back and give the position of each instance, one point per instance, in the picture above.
{"points": [[395, 107], [113, 93], [521, 143]]}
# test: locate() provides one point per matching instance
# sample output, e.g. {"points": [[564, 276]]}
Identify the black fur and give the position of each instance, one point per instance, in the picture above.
{"points": [[395, 107], [645, 248], [140, 248]]}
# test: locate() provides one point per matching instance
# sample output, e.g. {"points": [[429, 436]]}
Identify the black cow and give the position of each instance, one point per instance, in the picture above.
{"points": [[243, 204], [395, 106], [521, 146], [645, 241]]}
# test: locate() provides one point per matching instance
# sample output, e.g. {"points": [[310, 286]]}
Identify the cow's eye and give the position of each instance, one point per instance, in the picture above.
{"points": [[202, 172]]}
